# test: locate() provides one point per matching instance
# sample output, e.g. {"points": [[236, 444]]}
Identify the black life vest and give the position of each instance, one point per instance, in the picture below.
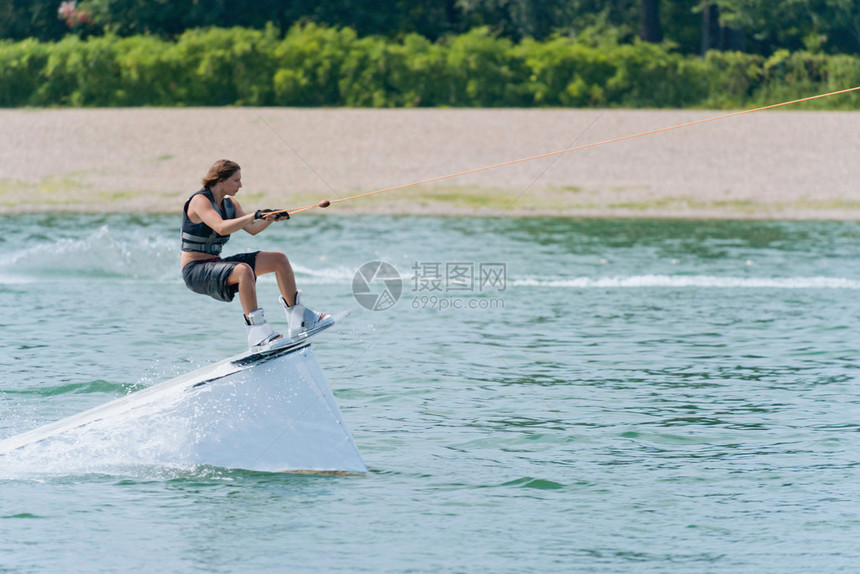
{"points": [[201, 237]]}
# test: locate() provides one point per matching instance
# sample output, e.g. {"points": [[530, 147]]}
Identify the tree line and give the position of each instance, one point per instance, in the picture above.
{"points": [[689, 26], [313, 65]]}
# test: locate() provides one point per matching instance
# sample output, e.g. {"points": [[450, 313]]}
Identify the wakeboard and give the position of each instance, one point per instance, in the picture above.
{"points": [[286, 345]]}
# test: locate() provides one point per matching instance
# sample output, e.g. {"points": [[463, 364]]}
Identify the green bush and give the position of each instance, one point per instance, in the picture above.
{"points": [[363, 73], [649, 76], [226, 66], [151, 73], [415, 73], [732, 78], [483, 71], [312, 65], [789, 76], [21, 67], [309, 62], [58, 85], [565, 73]]}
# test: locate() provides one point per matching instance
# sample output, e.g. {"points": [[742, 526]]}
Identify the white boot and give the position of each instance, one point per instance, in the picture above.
{"points": [[300, 318], [259, 332]]}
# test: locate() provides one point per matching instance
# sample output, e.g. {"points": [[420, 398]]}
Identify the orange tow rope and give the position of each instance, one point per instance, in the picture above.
{"points": [[326, 203]]}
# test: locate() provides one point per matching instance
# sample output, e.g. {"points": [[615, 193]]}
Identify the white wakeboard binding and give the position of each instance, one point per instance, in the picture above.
{"points": [[260, 333], [300, 319]]}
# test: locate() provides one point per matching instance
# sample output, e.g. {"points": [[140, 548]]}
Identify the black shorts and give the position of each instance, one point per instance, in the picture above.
{"points": [[209, 276]]}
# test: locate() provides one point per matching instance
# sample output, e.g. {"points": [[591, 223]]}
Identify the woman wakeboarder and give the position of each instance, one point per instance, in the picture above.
{"points": [[209, 217]]}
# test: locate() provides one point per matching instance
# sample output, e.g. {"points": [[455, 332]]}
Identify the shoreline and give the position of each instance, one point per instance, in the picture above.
{"points": [[791, 165]]}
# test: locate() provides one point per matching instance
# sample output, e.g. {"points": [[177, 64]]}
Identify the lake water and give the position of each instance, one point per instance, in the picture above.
{"points": [[546, 395]]}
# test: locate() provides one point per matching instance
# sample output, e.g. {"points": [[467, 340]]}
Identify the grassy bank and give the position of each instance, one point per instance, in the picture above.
{"points": [[775, 164]]}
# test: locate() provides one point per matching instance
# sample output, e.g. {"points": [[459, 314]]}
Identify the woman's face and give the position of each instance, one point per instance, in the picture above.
{"points": [[231, 185]]}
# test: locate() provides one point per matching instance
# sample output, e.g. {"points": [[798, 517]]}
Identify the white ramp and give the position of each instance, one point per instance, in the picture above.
{"points": [[274, 414]]}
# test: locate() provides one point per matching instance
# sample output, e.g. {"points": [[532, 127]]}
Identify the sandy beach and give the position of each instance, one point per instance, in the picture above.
{"points": [[773, 165]]}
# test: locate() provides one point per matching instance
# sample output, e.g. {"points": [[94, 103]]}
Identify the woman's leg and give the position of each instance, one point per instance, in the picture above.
{"points": [[277, 263], [244, 276], [299, 317]]}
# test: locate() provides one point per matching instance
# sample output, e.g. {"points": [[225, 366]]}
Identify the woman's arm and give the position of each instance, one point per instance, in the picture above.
{"points": [[201, 208], [256, 225]]}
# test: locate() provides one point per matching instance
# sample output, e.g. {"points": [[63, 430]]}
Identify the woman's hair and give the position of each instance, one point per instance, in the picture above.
{"points": [[220, 170]]}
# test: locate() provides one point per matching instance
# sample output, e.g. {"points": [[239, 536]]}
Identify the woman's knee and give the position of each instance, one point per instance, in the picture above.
{"points": [[272, 261], [243, 272]]}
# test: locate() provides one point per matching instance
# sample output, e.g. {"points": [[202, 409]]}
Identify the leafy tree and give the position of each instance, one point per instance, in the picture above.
{"points": [[21, 19], [516, 18], [839, 21], [169, 18], [650, 29], [682, 24], [769, 25], [688, 26]]}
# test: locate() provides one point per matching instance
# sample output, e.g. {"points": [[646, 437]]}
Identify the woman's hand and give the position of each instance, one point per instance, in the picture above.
{"points": [[272, 214]]}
